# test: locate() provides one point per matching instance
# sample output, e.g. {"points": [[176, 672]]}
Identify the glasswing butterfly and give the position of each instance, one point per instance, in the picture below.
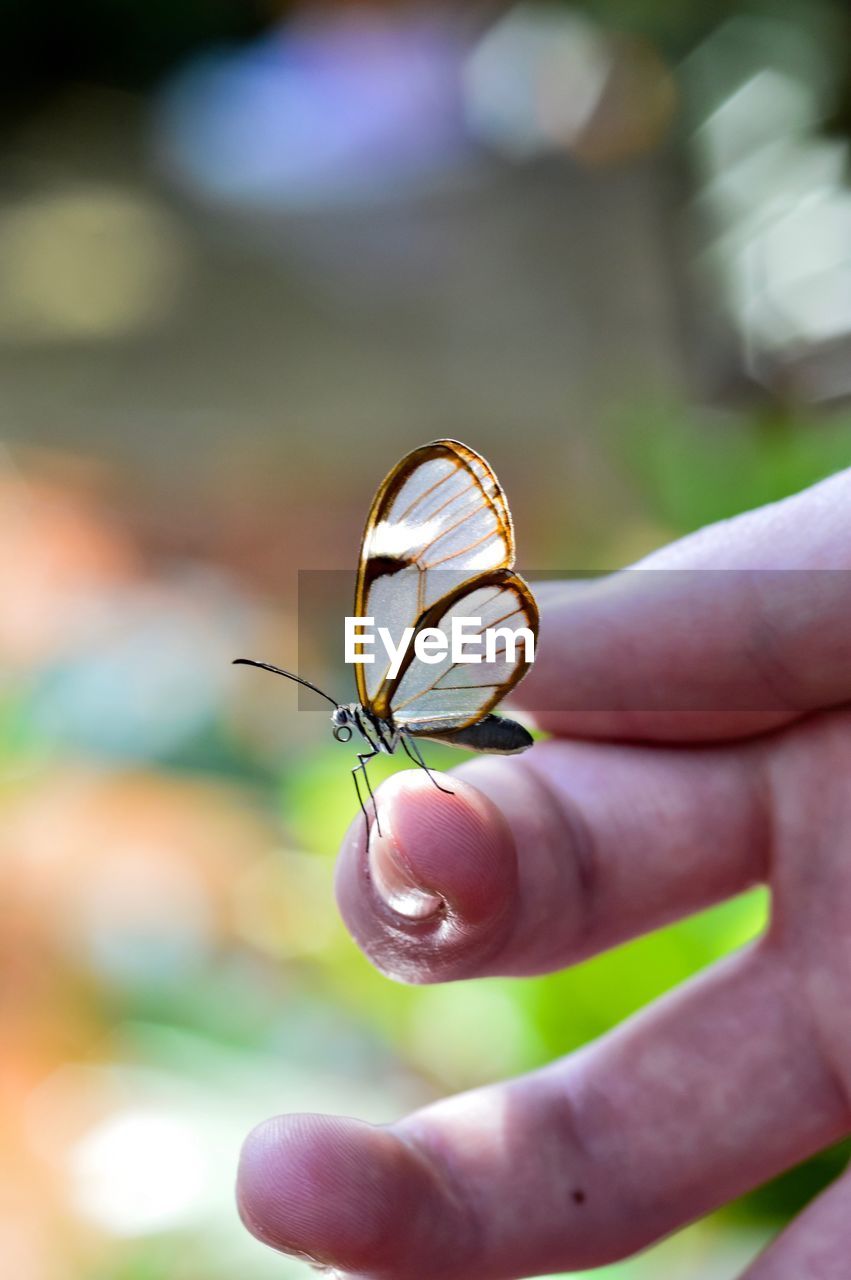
{"points": [[438, 544]]}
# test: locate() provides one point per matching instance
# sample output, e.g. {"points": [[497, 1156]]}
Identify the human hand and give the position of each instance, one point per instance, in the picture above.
{"points": [[702, 744]]}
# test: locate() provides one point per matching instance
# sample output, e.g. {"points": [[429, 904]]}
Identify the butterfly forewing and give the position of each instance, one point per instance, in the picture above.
{"points": [[440, 519], [439, 544]]}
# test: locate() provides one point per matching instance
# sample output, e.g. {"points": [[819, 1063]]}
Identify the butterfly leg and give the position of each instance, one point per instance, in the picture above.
{"points": [[360, 767], [417, 758], [360, 801]]}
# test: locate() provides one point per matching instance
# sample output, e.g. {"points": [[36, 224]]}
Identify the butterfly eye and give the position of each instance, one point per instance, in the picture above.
{"points": [[343, 732]]}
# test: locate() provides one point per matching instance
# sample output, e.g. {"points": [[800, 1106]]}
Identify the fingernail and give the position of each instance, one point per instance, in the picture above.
{"points": [[394, 883]]}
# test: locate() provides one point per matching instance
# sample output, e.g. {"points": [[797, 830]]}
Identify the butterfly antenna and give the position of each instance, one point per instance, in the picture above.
{"points": [[290, 675]]}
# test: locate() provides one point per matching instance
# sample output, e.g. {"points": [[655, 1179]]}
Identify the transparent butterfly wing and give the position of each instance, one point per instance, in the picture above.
{"points": [[438, 697], [440, 520]]}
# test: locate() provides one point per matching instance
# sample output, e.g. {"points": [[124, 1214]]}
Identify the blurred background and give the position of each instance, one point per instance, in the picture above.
{"points": [[250, 253]]}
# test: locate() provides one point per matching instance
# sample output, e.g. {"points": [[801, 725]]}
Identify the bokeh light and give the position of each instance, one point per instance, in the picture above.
{"points": [[87, 263], [138, 1172], [341, 105], [777, 196]]}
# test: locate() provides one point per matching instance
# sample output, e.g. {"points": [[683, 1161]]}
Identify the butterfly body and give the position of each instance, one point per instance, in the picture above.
{"points": [[381, 735], [437, 550], [491, 734]]}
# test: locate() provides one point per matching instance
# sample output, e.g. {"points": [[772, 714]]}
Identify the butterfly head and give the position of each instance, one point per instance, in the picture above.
{"points": [[343, 720]]}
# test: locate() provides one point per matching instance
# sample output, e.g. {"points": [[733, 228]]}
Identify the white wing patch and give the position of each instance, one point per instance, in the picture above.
{"points": [[445, 515], [397, 539]]}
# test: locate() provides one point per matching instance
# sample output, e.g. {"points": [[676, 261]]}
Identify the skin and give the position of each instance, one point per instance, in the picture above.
{"points": [[701, 744]]}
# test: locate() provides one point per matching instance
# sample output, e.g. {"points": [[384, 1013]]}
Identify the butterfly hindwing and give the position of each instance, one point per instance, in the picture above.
{"points": [[437, 697]]}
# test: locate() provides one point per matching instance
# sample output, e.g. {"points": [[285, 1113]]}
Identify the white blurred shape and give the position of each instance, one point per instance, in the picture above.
{"points": [[769, 105], [138, 1172], [778, 197], [88, 262], [535, 78], [789, 275], [794, 45], [813, 238], [786, 170]]}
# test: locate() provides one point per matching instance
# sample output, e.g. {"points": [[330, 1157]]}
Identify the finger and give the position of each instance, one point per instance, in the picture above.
{"points": [[691, 1104], [816, 1246], [732, 631], [328, 1189], [534, 863]]}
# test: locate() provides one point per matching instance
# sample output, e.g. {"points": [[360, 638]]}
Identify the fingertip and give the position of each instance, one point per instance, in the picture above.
{"points": [[300, 1187], [455, 845], [338, 1193], [436, 885]]}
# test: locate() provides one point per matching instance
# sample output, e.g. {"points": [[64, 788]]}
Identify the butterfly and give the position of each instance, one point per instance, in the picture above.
{"points": [[438, 546]]}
